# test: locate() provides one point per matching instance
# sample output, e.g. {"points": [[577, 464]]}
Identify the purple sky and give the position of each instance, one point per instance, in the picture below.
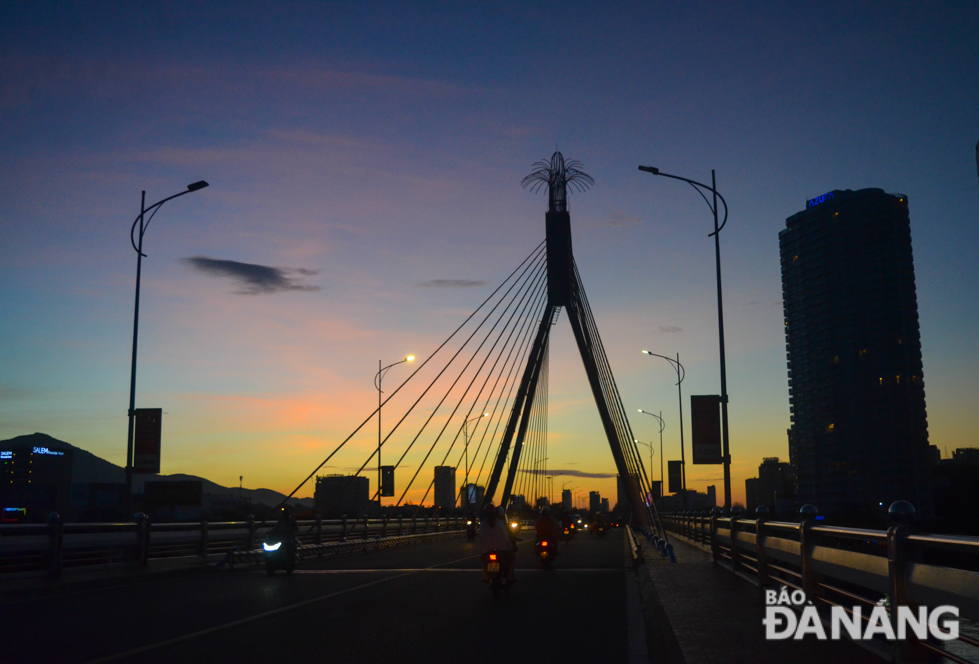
{"points": [[371, 154]]}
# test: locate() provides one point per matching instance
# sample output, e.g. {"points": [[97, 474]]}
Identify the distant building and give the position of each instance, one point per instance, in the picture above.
{"points": [[342, 494], [775, 482], [445, 487], [476, 494], [517, 503], [956, 487], [566, 500], [605, 505], [859, 433], [34, 481], [594, 501], [696, 501]]}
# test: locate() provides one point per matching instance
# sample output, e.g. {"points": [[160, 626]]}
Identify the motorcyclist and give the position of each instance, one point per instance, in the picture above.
{"points": [[286, 527], [494, 536], [547, 527]]}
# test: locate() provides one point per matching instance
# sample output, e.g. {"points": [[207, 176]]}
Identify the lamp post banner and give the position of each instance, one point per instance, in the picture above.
{"points": [[674, 476], [146, 446], [387, 481], [705, 420]]}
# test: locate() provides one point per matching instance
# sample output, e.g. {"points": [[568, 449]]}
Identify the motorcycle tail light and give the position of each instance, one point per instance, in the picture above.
{"points": [[543, 543], [492, 556]]}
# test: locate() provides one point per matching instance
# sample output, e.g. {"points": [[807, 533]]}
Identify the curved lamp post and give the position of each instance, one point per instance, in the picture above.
{"points": [[662, 480], [701, 188], [465, 433], [138, 247], [681, 373], [377, 383]]}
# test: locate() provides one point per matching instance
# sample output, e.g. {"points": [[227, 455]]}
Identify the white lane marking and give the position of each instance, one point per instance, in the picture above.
{"points": [[234, 623], [409, 570], [186, 637]]}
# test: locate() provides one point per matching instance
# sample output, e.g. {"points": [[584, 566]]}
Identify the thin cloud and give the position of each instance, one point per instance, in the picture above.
{"points": [[616, 220], [670, 329], [451, 283], [572, 473], [252, 278]]}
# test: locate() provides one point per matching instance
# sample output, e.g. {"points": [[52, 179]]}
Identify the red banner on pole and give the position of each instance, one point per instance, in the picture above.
{"points": [[705, 417], [146, 446]]}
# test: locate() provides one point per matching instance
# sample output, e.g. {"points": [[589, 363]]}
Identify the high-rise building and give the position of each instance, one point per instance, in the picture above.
{"points": [[342, 494], [859, 433], [566, 500], [605, 505], [594, 501], [475, 496], [445, 487]]}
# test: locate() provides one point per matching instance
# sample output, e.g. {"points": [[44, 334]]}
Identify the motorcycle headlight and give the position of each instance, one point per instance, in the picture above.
{"points": [[271, 547], [469, 523]]}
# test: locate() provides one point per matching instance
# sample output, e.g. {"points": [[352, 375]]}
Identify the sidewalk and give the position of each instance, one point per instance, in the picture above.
{"points": [[715, 617]]}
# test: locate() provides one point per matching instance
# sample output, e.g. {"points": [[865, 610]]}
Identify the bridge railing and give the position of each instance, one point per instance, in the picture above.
{"points": [[845, 567], [55, 546]]}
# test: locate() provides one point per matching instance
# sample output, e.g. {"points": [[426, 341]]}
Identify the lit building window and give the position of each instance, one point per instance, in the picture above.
{"points": [[830, 427]]}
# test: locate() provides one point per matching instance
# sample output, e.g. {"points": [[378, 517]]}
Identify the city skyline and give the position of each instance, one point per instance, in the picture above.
{"points": [[365, 198]]}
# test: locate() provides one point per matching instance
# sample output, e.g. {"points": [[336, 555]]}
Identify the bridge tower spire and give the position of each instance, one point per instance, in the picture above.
{"points": [[564, 289]]}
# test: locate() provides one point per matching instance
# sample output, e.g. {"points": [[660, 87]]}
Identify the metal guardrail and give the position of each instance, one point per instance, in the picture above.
{"points": [[847, 567], [55, 546]]}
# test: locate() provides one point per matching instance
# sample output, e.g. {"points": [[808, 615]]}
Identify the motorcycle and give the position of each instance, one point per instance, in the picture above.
{"points": [[546, 550], [601, 529], [470, 530], [499, 572], [280, 553], [567, 534]]}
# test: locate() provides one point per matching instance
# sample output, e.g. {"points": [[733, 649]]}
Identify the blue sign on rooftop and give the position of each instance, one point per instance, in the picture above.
{"points": [[819, 199]]}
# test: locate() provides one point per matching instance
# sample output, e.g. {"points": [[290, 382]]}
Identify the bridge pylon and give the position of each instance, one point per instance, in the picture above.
{"points": [[564, 290]]}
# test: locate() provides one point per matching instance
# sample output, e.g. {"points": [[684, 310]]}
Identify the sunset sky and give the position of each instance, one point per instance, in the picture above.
{"points": [[370, 155]]}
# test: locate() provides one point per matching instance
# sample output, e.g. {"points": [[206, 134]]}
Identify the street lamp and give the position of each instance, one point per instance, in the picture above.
{"points": [[681, 373], [465, 433], [195, 186], [639, 442], [377, 383], [701, 188], [662, 480]]}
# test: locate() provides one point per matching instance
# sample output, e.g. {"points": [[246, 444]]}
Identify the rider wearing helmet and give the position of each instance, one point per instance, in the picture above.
{"points": [[494, 536], [547, 527]]}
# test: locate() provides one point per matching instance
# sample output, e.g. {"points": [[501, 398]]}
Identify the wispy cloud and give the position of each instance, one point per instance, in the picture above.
{"points": [[252, 278], [573, 473], [616, 220], [669, 329], [451, 283]]}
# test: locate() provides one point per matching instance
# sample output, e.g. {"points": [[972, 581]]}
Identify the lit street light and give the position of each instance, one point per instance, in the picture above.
{"points": [[195, 186], [377, 383], [701, 188]]}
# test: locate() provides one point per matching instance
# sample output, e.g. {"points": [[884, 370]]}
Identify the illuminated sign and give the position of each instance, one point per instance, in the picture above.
{"points": [[44, 450], [6, 454], [819, 199]]}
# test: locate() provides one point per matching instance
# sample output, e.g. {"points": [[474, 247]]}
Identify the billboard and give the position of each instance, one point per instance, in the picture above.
{"points": [[146, 445], [705, 418], [387, 481], [675, 476]]}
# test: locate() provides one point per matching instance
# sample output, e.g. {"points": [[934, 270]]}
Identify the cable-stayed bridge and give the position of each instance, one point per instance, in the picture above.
{"points": [[404, 586]]}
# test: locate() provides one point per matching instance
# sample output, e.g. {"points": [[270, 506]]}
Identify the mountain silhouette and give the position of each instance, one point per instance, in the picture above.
{"points": [[87, 468]]}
